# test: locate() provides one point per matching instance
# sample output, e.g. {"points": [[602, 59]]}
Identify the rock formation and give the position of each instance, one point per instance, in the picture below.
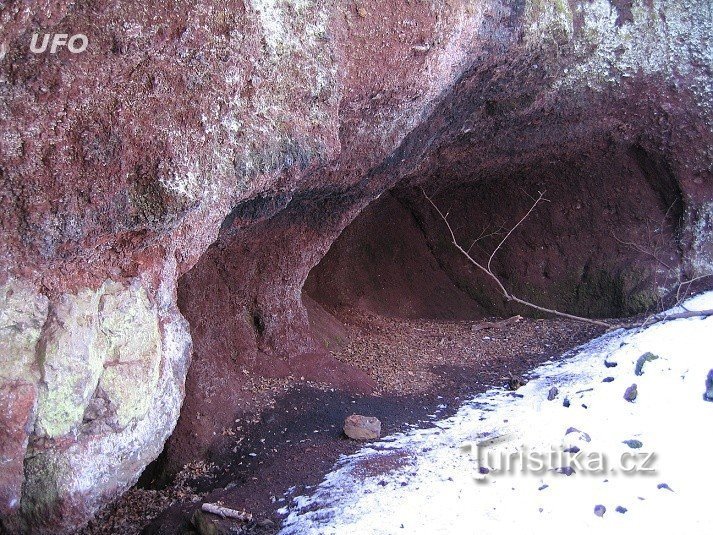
{"points": [[208, 154]]}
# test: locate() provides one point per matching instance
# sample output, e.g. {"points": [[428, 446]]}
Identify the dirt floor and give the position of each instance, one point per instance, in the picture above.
{"points": [[423, 370]]}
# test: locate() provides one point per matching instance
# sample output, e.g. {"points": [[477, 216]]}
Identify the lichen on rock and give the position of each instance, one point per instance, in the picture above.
{"points": [[92, 382], [22, 314], [103, 342]]}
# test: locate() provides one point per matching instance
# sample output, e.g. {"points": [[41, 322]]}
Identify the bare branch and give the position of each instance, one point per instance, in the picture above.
{"points": [[483, 236], [537, 201], [687, 284], [486, 269], [496, 279], [225, 512], [683, 315], [642, 250]]}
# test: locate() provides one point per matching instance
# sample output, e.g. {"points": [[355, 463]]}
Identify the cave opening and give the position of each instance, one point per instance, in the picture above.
{"points": [[277, 296], [586, 250]]}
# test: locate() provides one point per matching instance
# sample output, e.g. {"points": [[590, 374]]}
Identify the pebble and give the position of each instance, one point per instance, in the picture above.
{"points": [[552, 394], [620, 509], [584, 436], [599, 510], [708, 396], [631, 393], [643, 359]]}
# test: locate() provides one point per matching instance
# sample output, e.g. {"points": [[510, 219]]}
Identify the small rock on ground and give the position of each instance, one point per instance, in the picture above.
{"points": [[359, 427], [643, 359], [599, 510], [516, 382], [631, 393]]}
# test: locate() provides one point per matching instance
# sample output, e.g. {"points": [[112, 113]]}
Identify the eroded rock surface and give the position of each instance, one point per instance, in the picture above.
{"points": [[264, 128], [93, 384]]}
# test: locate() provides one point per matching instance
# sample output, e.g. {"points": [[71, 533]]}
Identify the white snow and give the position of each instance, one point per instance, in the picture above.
{"points": [[433, 488]]}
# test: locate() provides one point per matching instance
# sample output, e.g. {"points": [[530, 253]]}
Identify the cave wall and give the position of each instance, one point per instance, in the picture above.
{"points": [[382, 263], [605, 242], [264, 128]]}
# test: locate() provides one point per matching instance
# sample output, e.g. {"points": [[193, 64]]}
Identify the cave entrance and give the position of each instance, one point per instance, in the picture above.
{"points": [[296, 292], [604, 244]]}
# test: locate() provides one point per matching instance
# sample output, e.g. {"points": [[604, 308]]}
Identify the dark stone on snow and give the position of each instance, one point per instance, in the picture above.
{"points": [[584, 435], [516, 382], [565, 403], [620, 509], [708, 396], [631, 393], [566, 470], [552, 394], [599, 510], [607, 380], [610, 364], [643, 359], [634, 444]]}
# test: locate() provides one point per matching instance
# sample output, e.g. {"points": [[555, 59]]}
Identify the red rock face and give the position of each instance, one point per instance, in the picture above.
{"points": [[20, 400], [225, 146], [382, 262]]}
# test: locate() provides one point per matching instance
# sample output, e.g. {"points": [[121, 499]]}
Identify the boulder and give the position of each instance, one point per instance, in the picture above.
{"points": [[359, 427]]}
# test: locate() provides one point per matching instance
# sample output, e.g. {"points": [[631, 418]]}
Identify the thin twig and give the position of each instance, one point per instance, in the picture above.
{"points": [[663, 316], [496, 279], [483, 236], [642, 250], [537, 201]]}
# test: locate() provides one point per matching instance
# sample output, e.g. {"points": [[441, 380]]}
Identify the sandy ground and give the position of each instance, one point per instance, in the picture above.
{"points": [[285, 445]]}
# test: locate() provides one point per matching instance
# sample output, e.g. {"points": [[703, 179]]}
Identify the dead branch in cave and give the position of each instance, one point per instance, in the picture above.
{"points": [[487, 270], [225, 512]]}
